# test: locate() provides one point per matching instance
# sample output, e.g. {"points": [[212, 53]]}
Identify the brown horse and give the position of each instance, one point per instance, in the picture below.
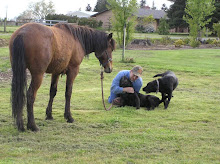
{"points": [[57, 50]]}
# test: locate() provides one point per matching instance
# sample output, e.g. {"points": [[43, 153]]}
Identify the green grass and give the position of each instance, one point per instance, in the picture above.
{"points": [[188, 132]]}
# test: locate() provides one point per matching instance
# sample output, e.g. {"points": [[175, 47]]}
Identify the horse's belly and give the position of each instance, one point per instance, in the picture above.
{"points": [[58, 66]]}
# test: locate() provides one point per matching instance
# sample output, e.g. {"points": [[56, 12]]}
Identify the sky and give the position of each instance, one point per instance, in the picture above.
{"points": [[14, 8]]}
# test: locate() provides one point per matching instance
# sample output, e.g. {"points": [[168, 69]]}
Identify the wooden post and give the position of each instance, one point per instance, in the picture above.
{"points": [[124, 36], [5, 24]]}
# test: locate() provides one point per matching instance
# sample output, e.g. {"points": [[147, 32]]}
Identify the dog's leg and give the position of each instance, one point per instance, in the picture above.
{"points": [[137, 100], [164, 97], [168, 101]]}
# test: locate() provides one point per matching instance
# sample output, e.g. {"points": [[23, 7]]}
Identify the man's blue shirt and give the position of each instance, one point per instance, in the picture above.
{"points": [[116, 89]]}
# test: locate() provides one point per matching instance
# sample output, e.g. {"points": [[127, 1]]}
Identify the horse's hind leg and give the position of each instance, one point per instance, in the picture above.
{"points": [[53, 91], [31, 95], [71, 75]]}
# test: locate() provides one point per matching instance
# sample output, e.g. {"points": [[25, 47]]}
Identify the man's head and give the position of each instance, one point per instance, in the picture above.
{"points": [[136, 72]]}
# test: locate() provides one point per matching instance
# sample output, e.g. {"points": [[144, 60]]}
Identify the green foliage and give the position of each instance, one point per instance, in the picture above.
{"points": [[186, 40], [70, 19], [74, 19], [100, 6], [178, 43], [89, 22], [166, 40], [216, 27], [215, 42], [123, 15], [187, 132], [128, 60], [194, 43], [144, 23], [175, 14], [197, 13], [163, 28]]}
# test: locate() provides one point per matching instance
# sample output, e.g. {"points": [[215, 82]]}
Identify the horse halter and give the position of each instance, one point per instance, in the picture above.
{"points": [[109, 59]]}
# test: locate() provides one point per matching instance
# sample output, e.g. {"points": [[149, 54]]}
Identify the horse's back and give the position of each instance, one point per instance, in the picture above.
{"points": [[37, 43]]}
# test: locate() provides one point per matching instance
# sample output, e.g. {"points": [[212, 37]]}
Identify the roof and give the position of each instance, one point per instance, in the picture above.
{"points": [[98, 13], [141, 12], [82, 14], [157, 14]]}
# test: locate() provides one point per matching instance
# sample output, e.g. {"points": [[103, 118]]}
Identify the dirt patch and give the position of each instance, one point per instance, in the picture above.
{"points": [[5, 76], [3, 42]]}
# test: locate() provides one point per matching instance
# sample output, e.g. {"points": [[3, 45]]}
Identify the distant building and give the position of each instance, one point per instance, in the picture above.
{"points": [[106, 16], [81, 14]]}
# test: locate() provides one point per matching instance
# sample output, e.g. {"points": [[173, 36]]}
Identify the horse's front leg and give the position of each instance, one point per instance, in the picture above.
{"points": [[31, 95], [71, 75], [53, 91]]}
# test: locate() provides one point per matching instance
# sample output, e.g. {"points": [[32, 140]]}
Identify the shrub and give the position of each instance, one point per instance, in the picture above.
{"points": [[129, 60], [163, 28], [186, 41], [178, 43], [215, 42], [209, 41], [216, 27], [194, 43], [166, 40]]}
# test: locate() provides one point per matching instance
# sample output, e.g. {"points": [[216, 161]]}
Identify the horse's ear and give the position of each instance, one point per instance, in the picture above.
{"points": [[110, 36]]}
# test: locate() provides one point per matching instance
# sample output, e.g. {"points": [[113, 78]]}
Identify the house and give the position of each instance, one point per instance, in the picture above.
{"points": [[81, 14], [106, 16]]}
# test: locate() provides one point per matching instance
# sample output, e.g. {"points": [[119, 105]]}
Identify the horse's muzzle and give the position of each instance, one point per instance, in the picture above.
{"points": [[108, 70]]}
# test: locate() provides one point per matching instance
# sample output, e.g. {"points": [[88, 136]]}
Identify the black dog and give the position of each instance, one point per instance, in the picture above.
{"points": [[137, 99], [130, 99], [165, 85]]}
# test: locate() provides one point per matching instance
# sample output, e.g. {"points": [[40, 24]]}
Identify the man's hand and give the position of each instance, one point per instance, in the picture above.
{"points": [[128, 90]]}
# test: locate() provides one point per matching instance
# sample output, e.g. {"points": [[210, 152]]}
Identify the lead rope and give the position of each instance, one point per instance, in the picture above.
{"points": [[103, 100]]}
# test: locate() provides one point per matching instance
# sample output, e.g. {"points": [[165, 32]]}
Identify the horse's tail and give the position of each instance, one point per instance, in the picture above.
{"points": [[19, 78]]}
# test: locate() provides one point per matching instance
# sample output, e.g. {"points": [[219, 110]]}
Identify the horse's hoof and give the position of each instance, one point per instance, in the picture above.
{"points": [[49, 118], [21, 129], [33, 128], [70, 120]]}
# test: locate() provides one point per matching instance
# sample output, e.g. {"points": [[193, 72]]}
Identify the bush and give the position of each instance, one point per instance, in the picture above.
{"points": [[186, 41], [163, 28], [216, 27], [178, 43], [166, 40], [194, 43], [129, 60], [209, 41], [215, 42]]}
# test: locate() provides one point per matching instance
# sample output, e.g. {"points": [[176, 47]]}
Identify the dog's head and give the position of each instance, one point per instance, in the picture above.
{"points": [[125, 82], [151, 87]]}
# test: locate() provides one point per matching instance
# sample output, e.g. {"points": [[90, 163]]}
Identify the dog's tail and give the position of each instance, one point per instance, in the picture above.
{"points": [[160, 74]]}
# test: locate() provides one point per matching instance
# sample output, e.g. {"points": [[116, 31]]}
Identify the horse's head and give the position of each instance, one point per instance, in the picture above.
{"points": [[105, 57]]}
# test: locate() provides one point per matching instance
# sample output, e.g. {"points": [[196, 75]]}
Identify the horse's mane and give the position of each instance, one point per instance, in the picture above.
{"points": [[90, 39]]}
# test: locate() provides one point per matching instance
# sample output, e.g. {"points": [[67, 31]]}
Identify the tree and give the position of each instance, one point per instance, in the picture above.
{"points": [[197, 11], [164, 7], [216, 15], [145, 23], [41, 9], [88, 8], [142, 3], [101, 6], [163, 28], [176, 13], [216, 27], [123, 11], [27, 14]]}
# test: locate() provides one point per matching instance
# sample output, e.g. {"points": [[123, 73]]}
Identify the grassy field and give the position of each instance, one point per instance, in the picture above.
{"points": [[188, 132]]}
